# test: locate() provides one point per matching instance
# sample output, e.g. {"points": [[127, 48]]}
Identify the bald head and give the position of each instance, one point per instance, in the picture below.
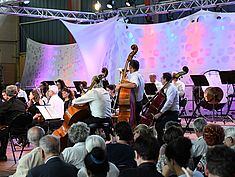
{"points": [[35, 134]]}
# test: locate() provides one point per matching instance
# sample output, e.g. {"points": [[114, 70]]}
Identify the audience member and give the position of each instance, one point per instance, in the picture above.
{"points": [[22, 95], [8, 111], [54, 166], [146, 155], [121, 153], [213, 134], [220, 161], [178, 154], [199, 145], [96, 163], [229, 139], [4, 96], [144, 130], [33, 158], [77, 134], [91, 142]]}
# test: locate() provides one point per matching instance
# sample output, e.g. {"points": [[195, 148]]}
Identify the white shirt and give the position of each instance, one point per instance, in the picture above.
{"points": [[99, 102], [57, 106], [199, 147], [22, 93], [180, 86], [158, 85], [75, 155], [138, 79], [172, 99]]}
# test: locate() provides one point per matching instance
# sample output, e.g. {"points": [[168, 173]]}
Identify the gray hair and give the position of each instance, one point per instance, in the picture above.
{"points": [[11, 90], [78, 132], [199, 124], [93, 141], [229, 132], [50, 144], [35, 134]]}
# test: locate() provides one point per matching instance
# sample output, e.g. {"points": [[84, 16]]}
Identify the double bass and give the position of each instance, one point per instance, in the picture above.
{"points": [[155, 104], [126, 96], [76, 113]]}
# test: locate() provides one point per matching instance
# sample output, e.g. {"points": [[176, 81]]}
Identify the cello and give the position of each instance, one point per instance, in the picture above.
{"points": [[155, 104], [126, 96], [74, 114]]}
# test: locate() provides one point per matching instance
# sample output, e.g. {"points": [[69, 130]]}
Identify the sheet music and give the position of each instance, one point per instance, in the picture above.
{"points": [[48, 112]]}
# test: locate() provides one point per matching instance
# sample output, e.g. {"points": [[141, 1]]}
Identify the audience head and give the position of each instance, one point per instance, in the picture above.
{"points": [[50, 145], [96, 162], [35, 134], [220, 161], [166, 77], [134, 66], [60, 84], [146, 148], [4, 95], [143, 130], [123, 131], [53, 90], [152, 78], [93, 141], [213, 134], [229, 139], [172, 133], [67, 93], [199, 125], [34, 95], [178, 152], [11, 91], [78, 132], [172, 123]]}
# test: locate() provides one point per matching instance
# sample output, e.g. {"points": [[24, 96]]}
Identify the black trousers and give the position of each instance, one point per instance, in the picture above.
{"points": [[4, 135], [138, 109], [161, 122]]}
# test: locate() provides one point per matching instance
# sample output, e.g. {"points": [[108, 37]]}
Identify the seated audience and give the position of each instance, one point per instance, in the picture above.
{"points": [[33, 158], [22, 95], [178, 154], [229, 139], [93, 141], [8, 111], [121, 153], [77, 134], [146, 155], [54, 166], [144, 130], [220, 161], [199, 145], [68, 96], [96, 163]]}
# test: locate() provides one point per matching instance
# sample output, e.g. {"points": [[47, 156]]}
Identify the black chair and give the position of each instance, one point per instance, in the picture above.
{"points": [[18, 129], [105, 126]]}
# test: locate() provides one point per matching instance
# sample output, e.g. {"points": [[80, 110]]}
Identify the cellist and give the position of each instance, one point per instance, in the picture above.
{"points": [[170, 109], [135, 82]]}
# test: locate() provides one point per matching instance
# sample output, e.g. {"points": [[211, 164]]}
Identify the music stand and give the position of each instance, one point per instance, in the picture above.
{"points": [[50, 82], [150, 88]]}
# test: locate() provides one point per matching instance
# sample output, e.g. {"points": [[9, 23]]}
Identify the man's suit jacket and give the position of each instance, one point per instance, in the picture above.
{"points": [[147, 169], [54, 167]]}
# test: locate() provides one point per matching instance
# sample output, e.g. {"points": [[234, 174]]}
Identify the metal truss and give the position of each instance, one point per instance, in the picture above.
{"points": [[158, 8]]}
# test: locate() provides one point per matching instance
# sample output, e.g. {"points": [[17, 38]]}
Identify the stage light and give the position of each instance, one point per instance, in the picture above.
{"points": [[97, 6], [26, 2], [110, 4], [130, 3]]}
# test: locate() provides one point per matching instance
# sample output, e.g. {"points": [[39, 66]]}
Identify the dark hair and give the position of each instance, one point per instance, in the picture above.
{"points": [[172, 123], [111, 87], [221, 161], [213, 134], [62, 84], [124, 131], [134, 64], [179, 150], [172, 133], [70, 92], [96, 162], [147, 147], [167, 76], [36, 95], [45, 88]]}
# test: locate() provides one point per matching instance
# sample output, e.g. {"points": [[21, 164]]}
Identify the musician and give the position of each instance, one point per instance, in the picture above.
{"points": [[113, 97], [9, 110], [68, 96], [136, 82], [179, 85], [170, 110], [153, 79], [61, 85], [21, 93], [99, 103]]}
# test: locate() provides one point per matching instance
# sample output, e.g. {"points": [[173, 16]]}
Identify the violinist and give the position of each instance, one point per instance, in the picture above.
{"points": [[99, 103], [170, 110], [136, 82]]}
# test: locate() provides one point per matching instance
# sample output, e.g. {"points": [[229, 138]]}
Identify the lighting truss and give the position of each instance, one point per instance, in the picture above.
{"points": [[157, 8]]}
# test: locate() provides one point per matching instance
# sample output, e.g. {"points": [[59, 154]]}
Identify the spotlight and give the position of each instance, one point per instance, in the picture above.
{"points": [[130, 3], [26, 2], [97, 6], [111, 4]]}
